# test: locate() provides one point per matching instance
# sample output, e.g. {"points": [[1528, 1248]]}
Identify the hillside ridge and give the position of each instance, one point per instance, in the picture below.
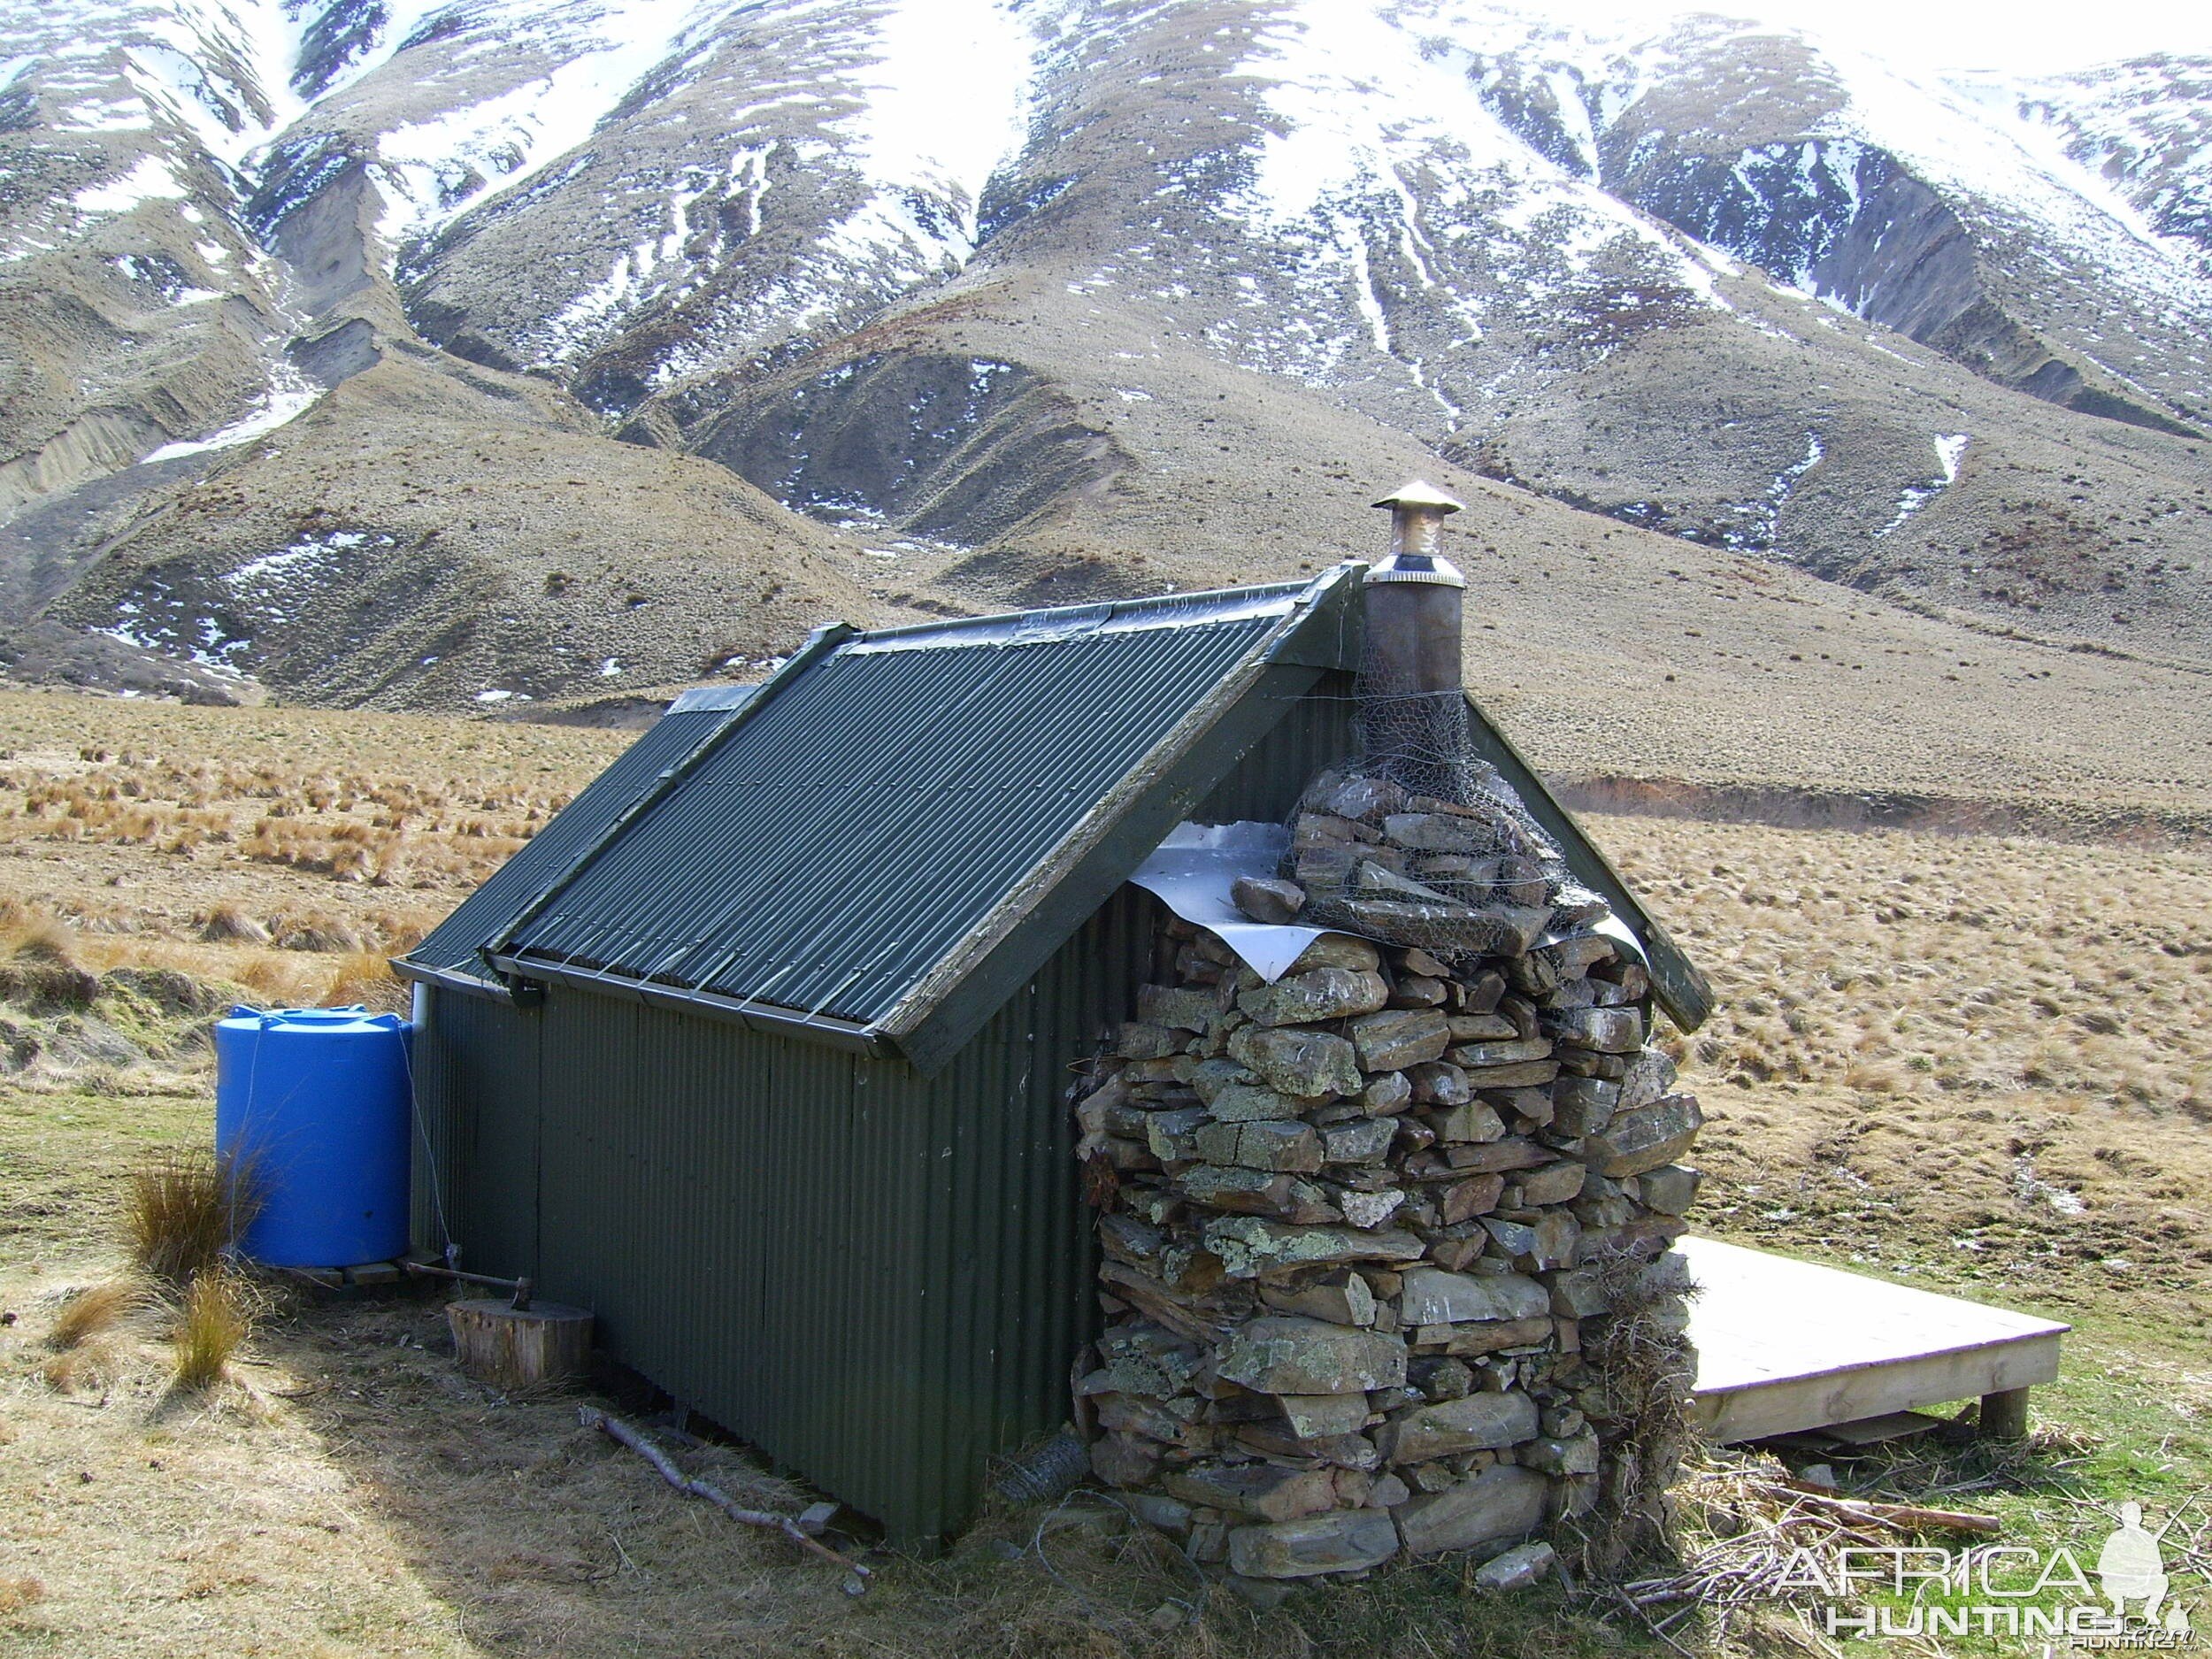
{"points": [[452, 355]]}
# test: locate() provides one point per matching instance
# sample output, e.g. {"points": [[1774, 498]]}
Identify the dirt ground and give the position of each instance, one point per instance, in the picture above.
{"points": [[1983, 1064]]}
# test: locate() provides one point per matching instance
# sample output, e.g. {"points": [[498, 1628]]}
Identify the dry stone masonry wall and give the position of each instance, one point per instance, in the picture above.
{"points": [[1383, 1241]]}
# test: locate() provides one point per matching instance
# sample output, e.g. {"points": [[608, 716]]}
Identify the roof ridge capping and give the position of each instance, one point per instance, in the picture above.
{"points": [[1052, 624]]}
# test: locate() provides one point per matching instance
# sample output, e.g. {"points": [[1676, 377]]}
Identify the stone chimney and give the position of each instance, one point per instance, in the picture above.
{"points": [[1414, 599]]}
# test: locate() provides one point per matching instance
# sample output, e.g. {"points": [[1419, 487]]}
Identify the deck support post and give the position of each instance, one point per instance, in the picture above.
{"points": [[2005, 1415]]}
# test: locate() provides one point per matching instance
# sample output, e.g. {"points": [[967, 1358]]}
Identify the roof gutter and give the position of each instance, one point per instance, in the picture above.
{"points": [[822, 1028], [451, 979]]}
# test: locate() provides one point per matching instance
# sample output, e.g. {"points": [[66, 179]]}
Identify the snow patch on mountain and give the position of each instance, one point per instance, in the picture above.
{"points": [[433, 171], [948, 104], [656, 146], [1950, 448], [2144, 126], [1950, 138], [289, 396], [151, 178], [1379, 151]]}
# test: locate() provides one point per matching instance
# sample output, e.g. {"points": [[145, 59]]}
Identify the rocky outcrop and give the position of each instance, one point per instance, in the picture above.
{"points": [[965, 449]]}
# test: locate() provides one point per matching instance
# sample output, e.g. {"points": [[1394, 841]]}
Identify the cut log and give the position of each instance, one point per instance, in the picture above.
{"points": [[511, 1348], [1898, 1514]]}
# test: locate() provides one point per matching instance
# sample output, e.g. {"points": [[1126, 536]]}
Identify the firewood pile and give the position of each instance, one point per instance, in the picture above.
{"points": [[1367, 1230]]}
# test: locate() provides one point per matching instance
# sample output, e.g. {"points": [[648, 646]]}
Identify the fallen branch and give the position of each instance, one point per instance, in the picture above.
{"points": [[593, 1418], [1757, 1518], [1643, 1615], [1900, 1515]]}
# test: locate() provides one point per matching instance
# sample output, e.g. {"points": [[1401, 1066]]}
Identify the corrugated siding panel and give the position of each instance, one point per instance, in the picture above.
{"points": [[859, 825], [475, 1153], [880, 1280], [1314, 734], [482, 915]]}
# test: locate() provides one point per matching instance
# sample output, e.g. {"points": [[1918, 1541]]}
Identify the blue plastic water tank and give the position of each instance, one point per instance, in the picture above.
{"points": [[317, 1099]]}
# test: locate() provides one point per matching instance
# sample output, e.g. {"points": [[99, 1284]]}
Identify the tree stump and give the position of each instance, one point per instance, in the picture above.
{"points": [[512, 1348]]}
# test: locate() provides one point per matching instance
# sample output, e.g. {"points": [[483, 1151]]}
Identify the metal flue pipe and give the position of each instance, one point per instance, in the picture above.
{"points": [[1413, 714], [1414, 599]]}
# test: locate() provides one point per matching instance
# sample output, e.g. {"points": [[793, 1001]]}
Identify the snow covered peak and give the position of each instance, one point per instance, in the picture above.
{"points": [[2144, 127], [1436, 206]]}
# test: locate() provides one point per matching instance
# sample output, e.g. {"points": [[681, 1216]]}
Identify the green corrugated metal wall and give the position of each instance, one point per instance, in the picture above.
{"points": [[879, 1278], [1313, 732], [476, 1085]]}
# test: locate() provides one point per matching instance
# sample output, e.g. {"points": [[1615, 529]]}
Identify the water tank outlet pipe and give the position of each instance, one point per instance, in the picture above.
{"points": [[520, 1286]]}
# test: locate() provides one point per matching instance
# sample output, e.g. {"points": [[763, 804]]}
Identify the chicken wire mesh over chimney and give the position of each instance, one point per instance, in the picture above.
{"points": [[1485, 874], [1413, 714]]}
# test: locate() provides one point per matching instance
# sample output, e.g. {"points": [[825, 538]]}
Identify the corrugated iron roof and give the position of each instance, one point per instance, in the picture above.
{"points": [[821, 850], [865, 846], [573, 831]]}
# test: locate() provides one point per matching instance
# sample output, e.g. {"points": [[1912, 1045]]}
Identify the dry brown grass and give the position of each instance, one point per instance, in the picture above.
{"points": [[1988, 1060], [183, 1209], [18, 1593], [262, 847], [1971, 965], [386, 801], [228, 921], [95, 1310], [214, 1317], [95, 1363], [366, 978]]}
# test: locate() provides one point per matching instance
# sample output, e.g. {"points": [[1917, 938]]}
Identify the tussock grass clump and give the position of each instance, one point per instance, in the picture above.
{"points": [[18, 1593], [231, 922], [213, 1322], [280, 976], [95, 1363], [366, 978], [183, 1209], [31, 936], [39, 968], [317, 931], [95, 1310]]}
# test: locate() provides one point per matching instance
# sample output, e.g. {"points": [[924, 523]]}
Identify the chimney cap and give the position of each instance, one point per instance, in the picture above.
{"points": [[1415, 512], [1420, 493]]}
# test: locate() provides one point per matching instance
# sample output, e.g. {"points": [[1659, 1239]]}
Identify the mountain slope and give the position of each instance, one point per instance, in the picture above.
{"points": [[2144, 126], [423, 354], [1902, 200]]}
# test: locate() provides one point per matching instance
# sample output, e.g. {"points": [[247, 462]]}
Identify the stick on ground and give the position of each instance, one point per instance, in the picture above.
{"points": [[1902, 1515], [593, 1418]]}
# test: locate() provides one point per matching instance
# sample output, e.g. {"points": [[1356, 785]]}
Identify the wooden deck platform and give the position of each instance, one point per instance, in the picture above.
{"points": [[1787, 1346]]}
